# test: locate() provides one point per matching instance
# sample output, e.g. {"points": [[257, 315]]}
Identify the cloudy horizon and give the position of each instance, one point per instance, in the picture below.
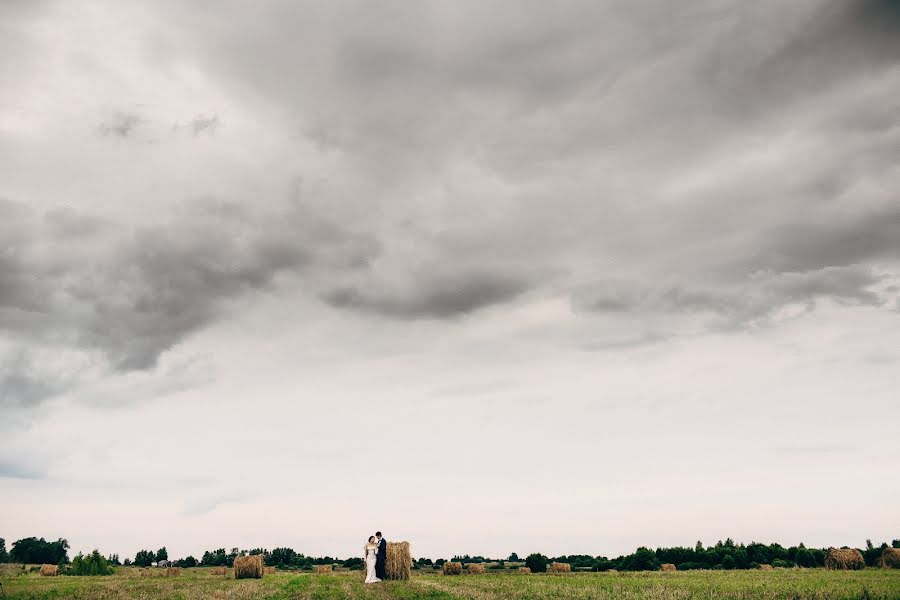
{"points": [[491, 278]]}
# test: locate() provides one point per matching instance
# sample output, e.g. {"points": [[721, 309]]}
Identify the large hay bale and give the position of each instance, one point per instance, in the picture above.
{"points": [[269, 570], [173, 571], [844, 558], [559, 567], [49, 570], [890, 558], [452, 568], [524, 570], [397, 561], [248, 567], [474, 569], [765, 567], [219, 571], [668, 567], [323, 569]]}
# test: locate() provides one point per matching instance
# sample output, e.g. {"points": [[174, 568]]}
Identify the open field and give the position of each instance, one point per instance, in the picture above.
{"points": [[196, 584]]}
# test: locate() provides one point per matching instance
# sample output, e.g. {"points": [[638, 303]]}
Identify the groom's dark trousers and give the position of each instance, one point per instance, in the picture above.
{"points": [[379, 559]]}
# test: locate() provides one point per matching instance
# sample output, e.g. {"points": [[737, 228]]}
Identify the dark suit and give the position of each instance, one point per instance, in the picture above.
{"points": [[379, 558]]}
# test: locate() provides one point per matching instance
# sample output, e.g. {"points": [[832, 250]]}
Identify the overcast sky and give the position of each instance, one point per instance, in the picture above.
{"points": [[491, 277]]}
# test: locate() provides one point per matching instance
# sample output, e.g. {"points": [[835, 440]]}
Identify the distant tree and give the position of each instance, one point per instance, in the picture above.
{"points": [[39, 551], [4, 556], [90, 565], [895, 543], [113, 559], [354, 564], [728, 562], [127, 562], [186, 563], [643, 559], [513, 557], [699, 547], [144, 558], [536, 562], [162, 554], [804, 557]]}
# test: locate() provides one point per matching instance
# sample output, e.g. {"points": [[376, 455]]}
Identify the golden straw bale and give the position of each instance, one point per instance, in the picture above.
{"points": [[474, 569], [765, 567], [890, 558], [269, 570], [173, 572], [668, 567], [524, 570], [452, 568], [844, 558], [248, 567], [219, 571], [559, 567], [49, 570], [397, 561], [323, 569]]}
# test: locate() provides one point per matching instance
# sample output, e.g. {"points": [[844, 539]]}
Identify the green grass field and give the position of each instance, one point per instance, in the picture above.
{"points": [[795, 584]]}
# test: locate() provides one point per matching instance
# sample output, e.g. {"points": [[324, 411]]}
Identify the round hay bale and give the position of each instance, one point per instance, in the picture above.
{"points": [[474, 569], [667, 567], [524, 570], [248, 567], [844, 558], [49, 570], [890, 558], [560, 567], [452, 568], [766, 568], [397, 561], [269, 570], [219, 571], [323, 569], [173, 571]]}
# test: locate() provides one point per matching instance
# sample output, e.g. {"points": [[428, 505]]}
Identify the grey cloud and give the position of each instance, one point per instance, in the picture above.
{"points": [[20, 470], [844, 239], [145, 290], [432, 296], [121, 124], [24, 384], [754, 301]]}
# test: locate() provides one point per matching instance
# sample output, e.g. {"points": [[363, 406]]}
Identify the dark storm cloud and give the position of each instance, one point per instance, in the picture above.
{"points": [[145, 289], [431, 296]]}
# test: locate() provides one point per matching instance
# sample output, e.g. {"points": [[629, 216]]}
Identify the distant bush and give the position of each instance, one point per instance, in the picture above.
{"points": [[90, 565], [784, 564], [537, 563], [691, 566]]}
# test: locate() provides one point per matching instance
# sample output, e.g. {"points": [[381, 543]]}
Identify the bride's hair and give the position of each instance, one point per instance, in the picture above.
{"points": [[371, 539]]}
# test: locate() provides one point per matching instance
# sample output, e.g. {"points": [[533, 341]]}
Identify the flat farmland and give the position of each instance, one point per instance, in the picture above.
{"points": [[196, 584]]}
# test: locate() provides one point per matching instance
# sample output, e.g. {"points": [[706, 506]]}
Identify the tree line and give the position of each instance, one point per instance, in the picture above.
{"points": [[723, 555]]}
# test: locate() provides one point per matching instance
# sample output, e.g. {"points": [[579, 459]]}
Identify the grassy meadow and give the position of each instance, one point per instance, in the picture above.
{"points": [[199, 583]]}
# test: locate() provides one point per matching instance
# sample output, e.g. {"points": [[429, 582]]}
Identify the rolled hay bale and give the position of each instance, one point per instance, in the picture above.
{"points": [[667, 567], [248, 567], [844, 558], [49, 570], [558, 567], [890, 558], [397, 561], [219, 571], [524, 570], [269, 570], [323, 569], [173, 571], [765, 567], [452, 568], [474, 569]]}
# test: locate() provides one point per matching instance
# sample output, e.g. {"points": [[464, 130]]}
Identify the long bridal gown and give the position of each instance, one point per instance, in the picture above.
{"points": [[370, 564]]}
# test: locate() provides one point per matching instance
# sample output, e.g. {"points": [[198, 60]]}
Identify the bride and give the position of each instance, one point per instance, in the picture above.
{"points": [[371, 549]]}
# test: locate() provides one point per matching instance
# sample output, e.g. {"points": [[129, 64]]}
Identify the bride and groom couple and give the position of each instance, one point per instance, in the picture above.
{"points": [[376, 551]]}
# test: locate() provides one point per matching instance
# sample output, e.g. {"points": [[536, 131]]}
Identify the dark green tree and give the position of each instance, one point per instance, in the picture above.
{"points": [[91, 565], [537, 563], [162, 554], [4, 557], [513, 557], [40, 551], [143, 558], [643, 559]]}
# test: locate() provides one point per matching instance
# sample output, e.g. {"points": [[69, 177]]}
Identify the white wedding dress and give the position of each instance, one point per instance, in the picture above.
{"points": [[370, 564]]}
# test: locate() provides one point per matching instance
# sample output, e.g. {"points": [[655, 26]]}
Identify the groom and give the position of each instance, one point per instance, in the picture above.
{"points": [[380, 556]]}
